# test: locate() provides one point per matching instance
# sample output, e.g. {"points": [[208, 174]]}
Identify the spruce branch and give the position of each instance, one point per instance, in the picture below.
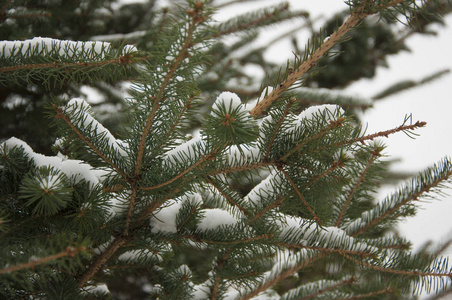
{"points": [[334, 166], [233, 242], [179, 118], [394, 271], [182, 224], [268, 16], [122, 60], [19, 224], [230, 200], [277, 203], [354, 19], [100, 260], [194, 166], [385, 133], [3, 11], [303, 200], [422, 188], [374, 155], [278, 126], [133, 197], [196, 18], [70, 251], [61, 115], [330, 288], [361, 106], [376, 293], [220, 263], [326, 250], [356, 16], [333, 124], [244, 167], [281, 276]]}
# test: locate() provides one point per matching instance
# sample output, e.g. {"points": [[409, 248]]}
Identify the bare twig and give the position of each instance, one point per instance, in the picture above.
{"points": [[307, 64], [68, 252]]}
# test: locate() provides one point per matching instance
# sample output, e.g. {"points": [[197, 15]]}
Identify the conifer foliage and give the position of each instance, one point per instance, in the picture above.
{"points": [[204, 193]]}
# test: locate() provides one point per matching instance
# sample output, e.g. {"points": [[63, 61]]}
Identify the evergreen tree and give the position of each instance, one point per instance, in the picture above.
{"points": [[187, 188]]}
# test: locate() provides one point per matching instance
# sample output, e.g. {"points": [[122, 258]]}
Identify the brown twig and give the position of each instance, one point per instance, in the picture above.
{"points": [[122, 60], [281, 276], [307, 64], [230, 200], [30, 265], [196, 18], [267, 208], [303, 200], [383, 291], [385, 133], [100, 260], [335, 286]]}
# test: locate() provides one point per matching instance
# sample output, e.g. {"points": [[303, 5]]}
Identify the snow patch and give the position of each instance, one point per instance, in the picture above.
{"points": [[63, 48], [215, 217], [226, 99], [76, 169], [80, 108]]}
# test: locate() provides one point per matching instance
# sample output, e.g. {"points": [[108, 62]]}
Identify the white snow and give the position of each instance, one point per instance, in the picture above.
{"points": [[310, 234], [164, 220], [64, 48], [119, 36], [136, 254], [238, 155], [52, 181], [266, 188], [329, 111], [227, 99], [101, 288], [265, 92], [78, 110], [187, 150], [76, 169], [215, 217]]}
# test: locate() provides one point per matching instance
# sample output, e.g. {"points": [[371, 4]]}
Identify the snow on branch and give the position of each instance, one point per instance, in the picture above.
{"points": [[58, 48], [75, 169]]}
